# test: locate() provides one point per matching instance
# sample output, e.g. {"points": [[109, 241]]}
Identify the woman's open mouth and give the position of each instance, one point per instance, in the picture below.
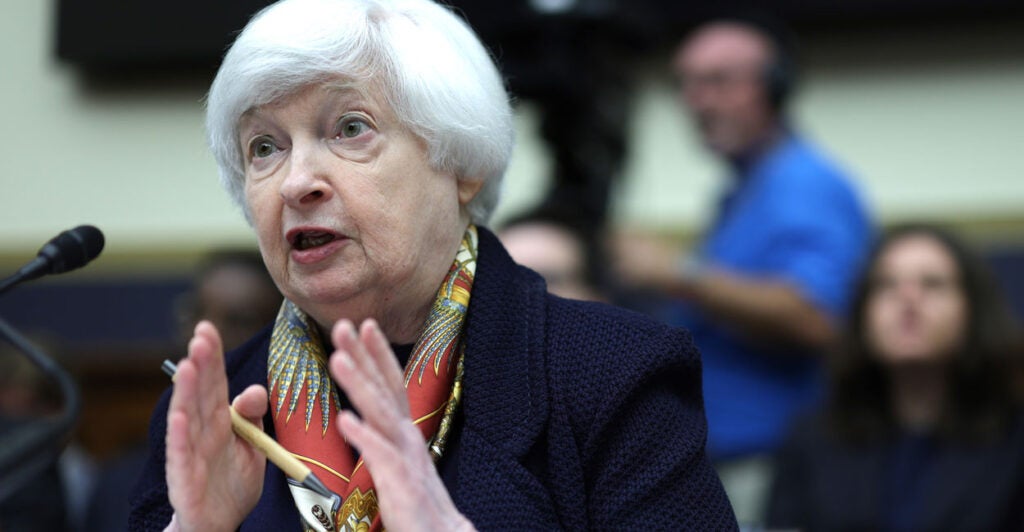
{"points": [[312, 245], [310, 239]]}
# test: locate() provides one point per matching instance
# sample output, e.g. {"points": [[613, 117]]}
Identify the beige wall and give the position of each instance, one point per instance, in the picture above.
{"points": [[930, 122]]}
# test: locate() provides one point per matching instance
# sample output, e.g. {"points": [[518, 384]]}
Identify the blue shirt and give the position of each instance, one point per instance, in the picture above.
{"points": [[793, 216]]}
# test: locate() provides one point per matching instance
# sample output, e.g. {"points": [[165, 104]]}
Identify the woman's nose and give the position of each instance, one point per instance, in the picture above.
{"points": [[307, 181], [910, 290]]}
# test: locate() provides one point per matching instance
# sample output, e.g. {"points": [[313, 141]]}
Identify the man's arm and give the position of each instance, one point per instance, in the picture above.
{"points": [[763, 310], [768, 310]]}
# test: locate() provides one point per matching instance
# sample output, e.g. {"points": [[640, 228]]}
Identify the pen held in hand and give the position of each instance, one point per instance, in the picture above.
{"points": [[274, 452]]}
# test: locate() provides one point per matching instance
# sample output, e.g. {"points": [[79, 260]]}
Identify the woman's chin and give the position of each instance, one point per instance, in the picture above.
{"points": [[322, 291], [911, 356]]}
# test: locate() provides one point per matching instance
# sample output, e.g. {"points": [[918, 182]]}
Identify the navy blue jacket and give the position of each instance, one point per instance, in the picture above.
{"points": [[575, 416]]}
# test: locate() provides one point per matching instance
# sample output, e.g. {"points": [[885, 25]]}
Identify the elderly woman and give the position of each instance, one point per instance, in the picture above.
{"points": [[365, 141]]}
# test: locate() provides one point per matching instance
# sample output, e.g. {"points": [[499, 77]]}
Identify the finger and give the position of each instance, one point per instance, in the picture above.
{"points": [[366, 397], [179, 445], [346, 339], [252, 404], [183, 399], [405, 477], [381, 455], [380, 350], [207, 329], [183, 429], [179, 453], [205, 352], [361, 376]]}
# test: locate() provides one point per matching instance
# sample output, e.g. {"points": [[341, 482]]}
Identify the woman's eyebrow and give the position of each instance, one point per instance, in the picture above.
{"points": [[248, 119], [350, 94]]}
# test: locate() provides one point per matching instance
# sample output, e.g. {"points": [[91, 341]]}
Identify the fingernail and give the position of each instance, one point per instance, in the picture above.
{"points": [[346, 360], [342, 326]]}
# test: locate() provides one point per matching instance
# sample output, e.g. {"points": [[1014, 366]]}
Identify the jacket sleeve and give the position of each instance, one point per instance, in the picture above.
{"points": [[150, 507]]}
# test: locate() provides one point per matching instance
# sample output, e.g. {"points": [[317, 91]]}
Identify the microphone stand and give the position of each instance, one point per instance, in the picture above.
{"points": [[29, 449], [32, 270]]}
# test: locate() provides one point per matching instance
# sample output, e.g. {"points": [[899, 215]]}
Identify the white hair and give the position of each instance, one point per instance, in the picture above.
{"points": [[435, 74]]}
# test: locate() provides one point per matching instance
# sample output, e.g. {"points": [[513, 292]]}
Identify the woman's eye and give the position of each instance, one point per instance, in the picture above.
{"points": [[351, 128], [935, 282], [261, 148], [882, 284]]}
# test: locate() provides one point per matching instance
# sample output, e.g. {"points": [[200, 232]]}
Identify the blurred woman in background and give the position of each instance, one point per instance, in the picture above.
{"points": [[923, 431]]}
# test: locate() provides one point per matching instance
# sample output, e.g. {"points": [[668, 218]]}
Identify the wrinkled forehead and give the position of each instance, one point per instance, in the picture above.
{"points": [[361, 93], [724, 45]]}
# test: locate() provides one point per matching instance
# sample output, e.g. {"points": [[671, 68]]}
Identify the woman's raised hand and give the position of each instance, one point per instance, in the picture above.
{"points": [[214, 478], [409, 491]]}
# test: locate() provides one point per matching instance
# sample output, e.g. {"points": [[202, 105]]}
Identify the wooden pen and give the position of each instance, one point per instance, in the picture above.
{"points": [[274, 452]]}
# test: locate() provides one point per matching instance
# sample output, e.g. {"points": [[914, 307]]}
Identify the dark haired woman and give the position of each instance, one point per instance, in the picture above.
{"points": [[923, 431]]}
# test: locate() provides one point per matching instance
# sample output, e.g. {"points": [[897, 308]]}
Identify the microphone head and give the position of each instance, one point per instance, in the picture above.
{"points": [[72, 249]]}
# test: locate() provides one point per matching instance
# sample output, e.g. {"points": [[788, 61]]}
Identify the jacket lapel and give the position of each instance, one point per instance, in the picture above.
{"points": [[505, 400]]}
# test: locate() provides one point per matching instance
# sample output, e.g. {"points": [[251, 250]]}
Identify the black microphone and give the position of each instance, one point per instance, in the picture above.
{"points": [[67, 251], [26, 451]]}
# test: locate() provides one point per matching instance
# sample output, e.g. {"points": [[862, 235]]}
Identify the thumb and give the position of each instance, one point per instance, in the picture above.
{"points": [[252, 404]]}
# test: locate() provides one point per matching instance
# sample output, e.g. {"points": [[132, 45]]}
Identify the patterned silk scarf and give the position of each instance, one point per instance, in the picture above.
{"points": [[299, 382]]}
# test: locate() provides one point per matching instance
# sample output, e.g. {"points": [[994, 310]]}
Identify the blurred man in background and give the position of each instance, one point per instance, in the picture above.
{"points": [[764, 288], [556, 245], [232, 289]]}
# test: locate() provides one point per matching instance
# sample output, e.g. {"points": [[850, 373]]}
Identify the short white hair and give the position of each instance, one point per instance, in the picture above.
{"points": [[436, 76]]}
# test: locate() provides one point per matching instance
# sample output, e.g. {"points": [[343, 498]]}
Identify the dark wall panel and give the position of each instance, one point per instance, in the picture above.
{"points": [[83, 315], [195, 33]]}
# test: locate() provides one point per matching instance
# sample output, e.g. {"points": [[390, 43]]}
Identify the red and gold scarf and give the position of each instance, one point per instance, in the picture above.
{"points": [[298, 381]]}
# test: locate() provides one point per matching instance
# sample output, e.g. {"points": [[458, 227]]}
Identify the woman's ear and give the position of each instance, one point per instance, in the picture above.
{"points": [[468, 189]]}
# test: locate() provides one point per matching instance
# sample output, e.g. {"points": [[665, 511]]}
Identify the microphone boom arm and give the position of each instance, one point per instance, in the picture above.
{"points": [[18, 449]]}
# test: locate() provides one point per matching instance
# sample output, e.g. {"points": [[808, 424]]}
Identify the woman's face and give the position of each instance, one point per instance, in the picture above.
{"points": [[351, 219], [916, 310]]}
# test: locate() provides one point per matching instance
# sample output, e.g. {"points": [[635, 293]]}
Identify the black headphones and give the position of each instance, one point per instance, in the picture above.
{"points": [[779, 77]]}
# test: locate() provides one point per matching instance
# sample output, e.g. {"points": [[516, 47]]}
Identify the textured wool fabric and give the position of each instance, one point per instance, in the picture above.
{"points": [[576, 416]]}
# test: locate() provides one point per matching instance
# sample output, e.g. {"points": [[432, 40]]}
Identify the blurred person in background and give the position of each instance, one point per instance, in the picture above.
{"points": [[28, 397], [560, 249], [923, 430], [769, 280], [232, 289]]}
